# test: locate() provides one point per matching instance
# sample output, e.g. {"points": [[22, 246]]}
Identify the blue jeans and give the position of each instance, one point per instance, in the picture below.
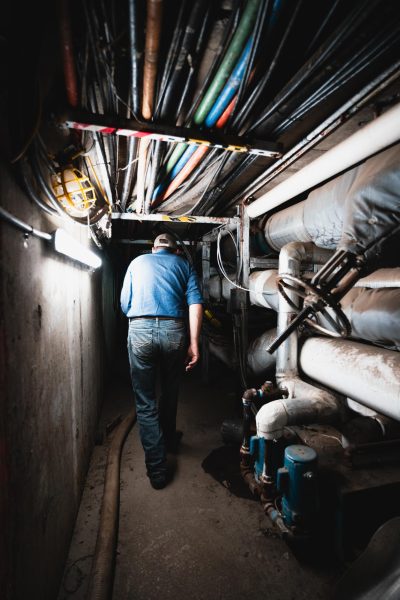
{"points": [[156, 347]]}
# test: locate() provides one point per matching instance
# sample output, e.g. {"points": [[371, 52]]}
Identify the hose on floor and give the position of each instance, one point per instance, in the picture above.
{"points": [[101, 576]]}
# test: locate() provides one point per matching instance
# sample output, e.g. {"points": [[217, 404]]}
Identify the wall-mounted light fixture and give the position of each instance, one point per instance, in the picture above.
{"points": [[66, 244], [60, 240]]}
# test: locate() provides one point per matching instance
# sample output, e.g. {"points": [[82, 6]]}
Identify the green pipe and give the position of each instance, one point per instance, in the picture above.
{"points": [[235, 48], [175, 156]]}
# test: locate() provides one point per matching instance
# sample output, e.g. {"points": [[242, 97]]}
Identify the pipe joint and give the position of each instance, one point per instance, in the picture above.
{"points": [[271, 419]]}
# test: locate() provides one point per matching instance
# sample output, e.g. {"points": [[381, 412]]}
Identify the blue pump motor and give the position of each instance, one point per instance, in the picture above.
{"points": [[297, 481], [257, 451]]}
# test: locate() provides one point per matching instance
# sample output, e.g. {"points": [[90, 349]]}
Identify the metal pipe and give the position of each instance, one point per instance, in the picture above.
{"points": [[153, 35], [372, 138], [70, 77], [364, 373], [22, 226]]}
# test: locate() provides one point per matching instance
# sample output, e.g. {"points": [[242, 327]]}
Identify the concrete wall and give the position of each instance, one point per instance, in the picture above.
{"points": [[51, 371]]}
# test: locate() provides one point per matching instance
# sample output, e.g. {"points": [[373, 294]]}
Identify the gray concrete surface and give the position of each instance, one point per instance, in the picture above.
{"points": [[202, 537], [51, 386]]}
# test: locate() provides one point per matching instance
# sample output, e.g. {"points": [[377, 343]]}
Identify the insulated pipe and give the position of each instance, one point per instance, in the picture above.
{"points": [[307, 404], [372, 138], [382, 278], [262, 286], [290, 258], [317, 219], [259, 361], [367, 374], [101, 576]]}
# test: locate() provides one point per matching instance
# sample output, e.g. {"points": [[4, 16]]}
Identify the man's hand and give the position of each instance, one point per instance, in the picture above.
{"points": [[192, 357], [195, 319]]}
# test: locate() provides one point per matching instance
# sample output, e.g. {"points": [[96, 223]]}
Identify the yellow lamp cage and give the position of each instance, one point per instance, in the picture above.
{"points": [[74, 191]]}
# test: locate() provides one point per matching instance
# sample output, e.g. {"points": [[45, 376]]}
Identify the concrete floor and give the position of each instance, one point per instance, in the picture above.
{"points": [[203, 536]]}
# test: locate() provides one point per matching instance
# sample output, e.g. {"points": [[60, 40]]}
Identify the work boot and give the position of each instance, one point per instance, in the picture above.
{"points": [[158, 483]]}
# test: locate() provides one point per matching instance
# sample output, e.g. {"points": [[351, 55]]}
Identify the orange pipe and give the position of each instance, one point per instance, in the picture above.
{"points": [[153, 35], [70, 76], [183, 174]]}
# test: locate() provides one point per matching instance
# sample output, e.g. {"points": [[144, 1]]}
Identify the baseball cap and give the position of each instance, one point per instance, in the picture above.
{"points": [[165, 240]]}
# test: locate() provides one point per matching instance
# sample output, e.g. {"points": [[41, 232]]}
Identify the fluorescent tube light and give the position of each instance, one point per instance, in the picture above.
{"points": [[65, 244]]}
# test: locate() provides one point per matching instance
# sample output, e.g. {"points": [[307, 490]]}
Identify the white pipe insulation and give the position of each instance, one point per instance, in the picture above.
{"points": [[380, 133], [381, 278], [364, 373], [306, 404], [262, 285]]}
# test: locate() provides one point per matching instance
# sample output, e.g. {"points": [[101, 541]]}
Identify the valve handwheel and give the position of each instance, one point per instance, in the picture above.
{"points": [[316, 300]]}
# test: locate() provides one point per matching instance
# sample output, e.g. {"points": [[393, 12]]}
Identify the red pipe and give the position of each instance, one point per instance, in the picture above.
{"points": [[71, 81], [226, 114]]}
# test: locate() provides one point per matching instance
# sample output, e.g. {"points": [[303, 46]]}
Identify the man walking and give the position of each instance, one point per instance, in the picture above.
{"points": [[156, 289]]}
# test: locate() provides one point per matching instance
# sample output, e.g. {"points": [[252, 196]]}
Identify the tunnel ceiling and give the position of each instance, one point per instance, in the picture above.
{"points": [[265, 73]]}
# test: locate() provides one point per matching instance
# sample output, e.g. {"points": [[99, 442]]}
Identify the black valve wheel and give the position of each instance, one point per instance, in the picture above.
{"points": [[319, 302]]}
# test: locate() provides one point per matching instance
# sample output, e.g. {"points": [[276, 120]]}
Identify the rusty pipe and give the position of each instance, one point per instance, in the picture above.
{"points": [[70, 77], [152, 45]]}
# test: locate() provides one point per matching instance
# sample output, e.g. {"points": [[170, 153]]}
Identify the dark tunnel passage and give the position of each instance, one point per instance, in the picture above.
{"points": [[259, 140]]}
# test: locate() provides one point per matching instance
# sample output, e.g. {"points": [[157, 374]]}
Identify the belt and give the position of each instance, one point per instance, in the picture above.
{"points": [[159, 318]]}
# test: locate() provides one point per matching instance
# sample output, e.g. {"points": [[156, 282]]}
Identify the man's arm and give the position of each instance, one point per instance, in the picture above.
{"points": [[195, 320]]}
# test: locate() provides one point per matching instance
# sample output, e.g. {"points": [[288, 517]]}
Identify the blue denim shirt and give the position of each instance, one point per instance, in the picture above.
{"points": [[159, 284]]}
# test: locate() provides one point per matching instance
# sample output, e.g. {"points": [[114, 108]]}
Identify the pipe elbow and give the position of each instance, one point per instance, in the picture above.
{"points": [[271, 419], [302, 252]]}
